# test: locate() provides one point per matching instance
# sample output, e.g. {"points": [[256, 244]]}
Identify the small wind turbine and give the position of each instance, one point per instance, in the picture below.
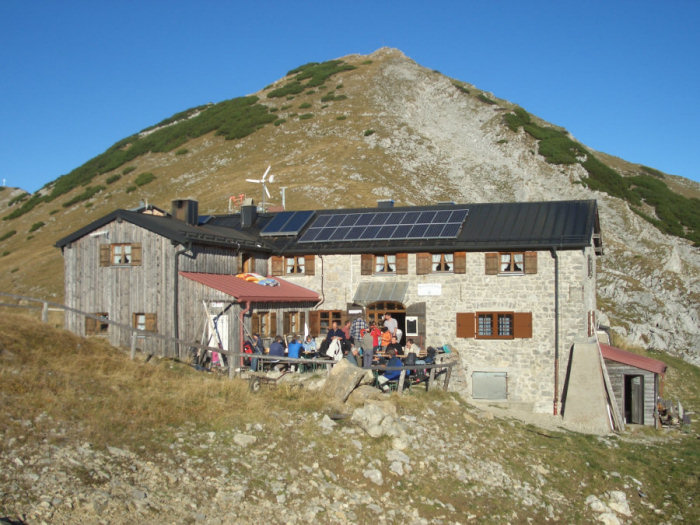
{"points": [[264, 186]]}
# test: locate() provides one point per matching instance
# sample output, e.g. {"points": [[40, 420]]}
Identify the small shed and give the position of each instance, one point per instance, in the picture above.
{"points": [[636, 381]]}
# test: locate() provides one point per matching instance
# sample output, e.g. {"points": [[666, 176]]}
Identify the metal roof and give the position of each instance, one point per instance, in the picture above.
{"points": [[243, 290], [173, 229], [628, 358]]}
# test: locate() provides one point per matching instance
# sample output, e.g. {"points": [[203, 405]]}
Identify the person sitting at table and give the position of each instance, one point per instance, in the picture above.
{"points": [[335, 333], [353, 355], [386, 338], [276, 349], [413, 349], [395, 346], [309, 346], [390, 375], [293, 350]]}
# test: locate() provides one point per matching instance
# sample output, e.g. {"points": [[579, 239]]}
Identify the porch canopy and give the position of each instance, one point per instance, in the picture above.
{"points": [[371, 292], [628, 358], [243, 290]]}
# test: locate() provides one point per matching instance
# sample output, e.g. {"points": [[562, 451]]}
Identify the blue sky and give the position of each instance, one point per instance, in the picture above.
{"points": [[77, 76]]}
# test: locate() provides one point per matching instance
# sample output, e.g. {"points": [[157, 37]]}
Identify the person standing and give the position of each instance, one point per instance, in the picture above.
{"points": [[368, 344], [358, 325], [391, 323]]}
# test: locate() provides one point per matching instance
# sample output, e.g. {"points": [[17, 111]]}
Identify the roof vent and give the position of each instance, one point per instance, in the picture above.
{"points": [[186, 210], [249, 214], [386, 203]]}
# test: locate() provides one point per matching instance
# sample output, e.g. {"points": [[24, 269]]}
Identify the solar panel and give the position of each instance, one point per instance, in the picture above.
{"points": [[386, 225], [287, 223]]}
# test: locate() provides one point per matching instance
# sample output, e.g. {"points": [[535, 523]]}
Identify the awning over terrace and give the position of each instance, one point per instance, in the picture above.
{"points": [[243, 290], [371, 292]]}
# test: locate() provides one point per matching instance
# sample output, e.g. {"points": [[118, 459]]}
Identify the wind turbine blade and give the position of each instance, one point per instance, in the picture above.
{"points": [[266, 172], [252, 180], [272, 177], [267, 192]]}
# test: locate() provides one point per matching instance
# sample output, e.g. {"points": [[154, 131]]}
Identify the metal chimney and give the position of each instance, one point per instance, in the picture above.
{"points": [[186, 210]]}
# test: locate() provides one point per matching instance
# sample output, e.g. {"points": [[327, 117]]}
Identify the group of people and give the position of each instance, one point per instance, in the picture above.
{"points": [[362, 344]]}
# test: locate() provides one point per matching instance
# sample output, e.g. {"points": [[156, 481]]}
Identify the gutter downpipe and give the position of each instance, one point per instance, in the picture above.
{"points": [[241, 335], [176, 296], [555, 256]]}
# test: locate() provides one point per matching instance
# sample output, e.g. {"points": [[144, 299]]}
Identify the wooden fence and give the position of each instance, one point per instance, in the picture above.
{"points": [[234, 357]]}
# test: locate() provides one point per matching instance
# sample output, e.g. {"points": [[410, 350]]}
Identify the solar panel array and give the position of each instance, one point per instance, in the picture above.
{"points": [[287, 223], [386, 225]]}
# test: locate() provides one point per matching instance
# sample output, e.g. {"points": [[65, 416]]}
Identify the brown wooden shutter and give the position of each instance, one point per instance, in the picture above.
{"points": [[367, 264], [276, 265], [491, 262], [309, 264], [286, 324], [151, 322], [530, 262], [104, 254], [136, 255], [465, 324], [460, 262], [522, 324], [423, 261], [255, 323], [314, 322], [273, 324], [401, 264], [91, 324]]}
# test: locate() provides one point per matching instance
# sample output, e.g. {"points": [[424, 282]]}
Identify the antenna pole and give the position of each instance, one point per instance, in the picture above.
{"points": [[284, 202]]}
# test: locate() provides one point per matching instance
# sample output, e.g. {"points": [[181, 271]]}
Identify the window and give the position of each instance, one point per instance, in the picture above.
{"points": [[511, 263], [494, 325], [264, 323], [145, 322], [95, 327], [294, 264], [293, 323], [455, 262], [384, 263], [120, 254], [320, 321], [443, 262]]}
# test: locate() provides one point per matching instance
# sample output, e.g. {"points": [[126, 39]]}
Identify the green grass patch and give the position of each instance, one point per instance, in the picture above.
{"points": [[306, 116], [128, 170], [305, 105], [280, 121], [89, 192], [341, 117], [7, 235], [54, 212], [675, 214], [131, 189], [366, 62], [19, 198], [5, 254], [461, 88], [485, 99], [36, 226], [144, 178], [368, 132], [113, 178], [182, 151]]}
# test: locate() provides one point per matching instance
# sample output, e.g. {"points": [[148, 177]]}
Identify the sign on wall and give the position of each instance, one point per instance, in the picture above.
{"points": [[430, 289]]}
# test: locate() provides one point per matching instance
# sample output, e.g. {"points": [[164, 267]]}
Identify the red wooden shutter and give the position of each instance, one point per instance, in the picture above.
{"points": [[530, 262], [423, 261], [465, 324], [314, 322], [104, 254], [367, 264], [401, 264], [276, 265], [460, 262], [491, 262], [522, 324], [309, 265]]}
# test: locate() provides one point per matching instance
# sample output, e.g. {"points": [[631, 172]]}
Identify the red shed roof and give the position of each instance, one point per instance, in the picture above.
{"points": [[243, 290], [628, 358]]}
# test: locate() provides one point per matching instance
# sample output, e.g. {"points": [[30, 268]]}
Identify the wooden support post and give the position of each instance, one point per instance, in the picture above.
{"points": [[448, 372], [45, 312], [432, 378], [133, 345], [402, 378]]}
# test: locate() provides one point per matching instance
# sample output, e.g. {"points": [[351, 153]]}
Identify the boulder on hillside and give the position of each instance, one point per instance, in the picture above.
{"points": [[342, 380]]}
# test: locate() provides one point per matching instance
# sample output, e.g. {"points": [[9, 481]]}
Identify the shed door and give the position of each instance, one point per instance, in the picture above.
{"points": [[634, 399], [489, 385]]}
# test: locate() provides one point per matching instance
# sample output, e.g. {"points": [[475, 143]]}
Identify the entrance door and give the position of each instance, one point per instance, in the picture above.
{"points": [[376, 311], [634, 399]]}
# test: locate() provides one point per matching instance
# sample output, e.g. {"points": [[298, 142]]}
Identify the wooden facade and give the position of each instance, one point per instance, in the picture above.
{"points": [[636, 392]]}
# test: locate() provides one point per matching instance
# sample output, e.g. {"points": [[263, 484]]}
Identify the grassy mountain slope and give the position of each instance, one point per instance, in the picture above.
{"points": [[91, 436], [348, 132]]}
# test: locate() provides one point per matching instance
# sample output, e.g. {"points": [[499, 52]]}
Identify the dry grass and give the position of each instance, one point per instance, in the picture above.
{"points": [[114, 400]]}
